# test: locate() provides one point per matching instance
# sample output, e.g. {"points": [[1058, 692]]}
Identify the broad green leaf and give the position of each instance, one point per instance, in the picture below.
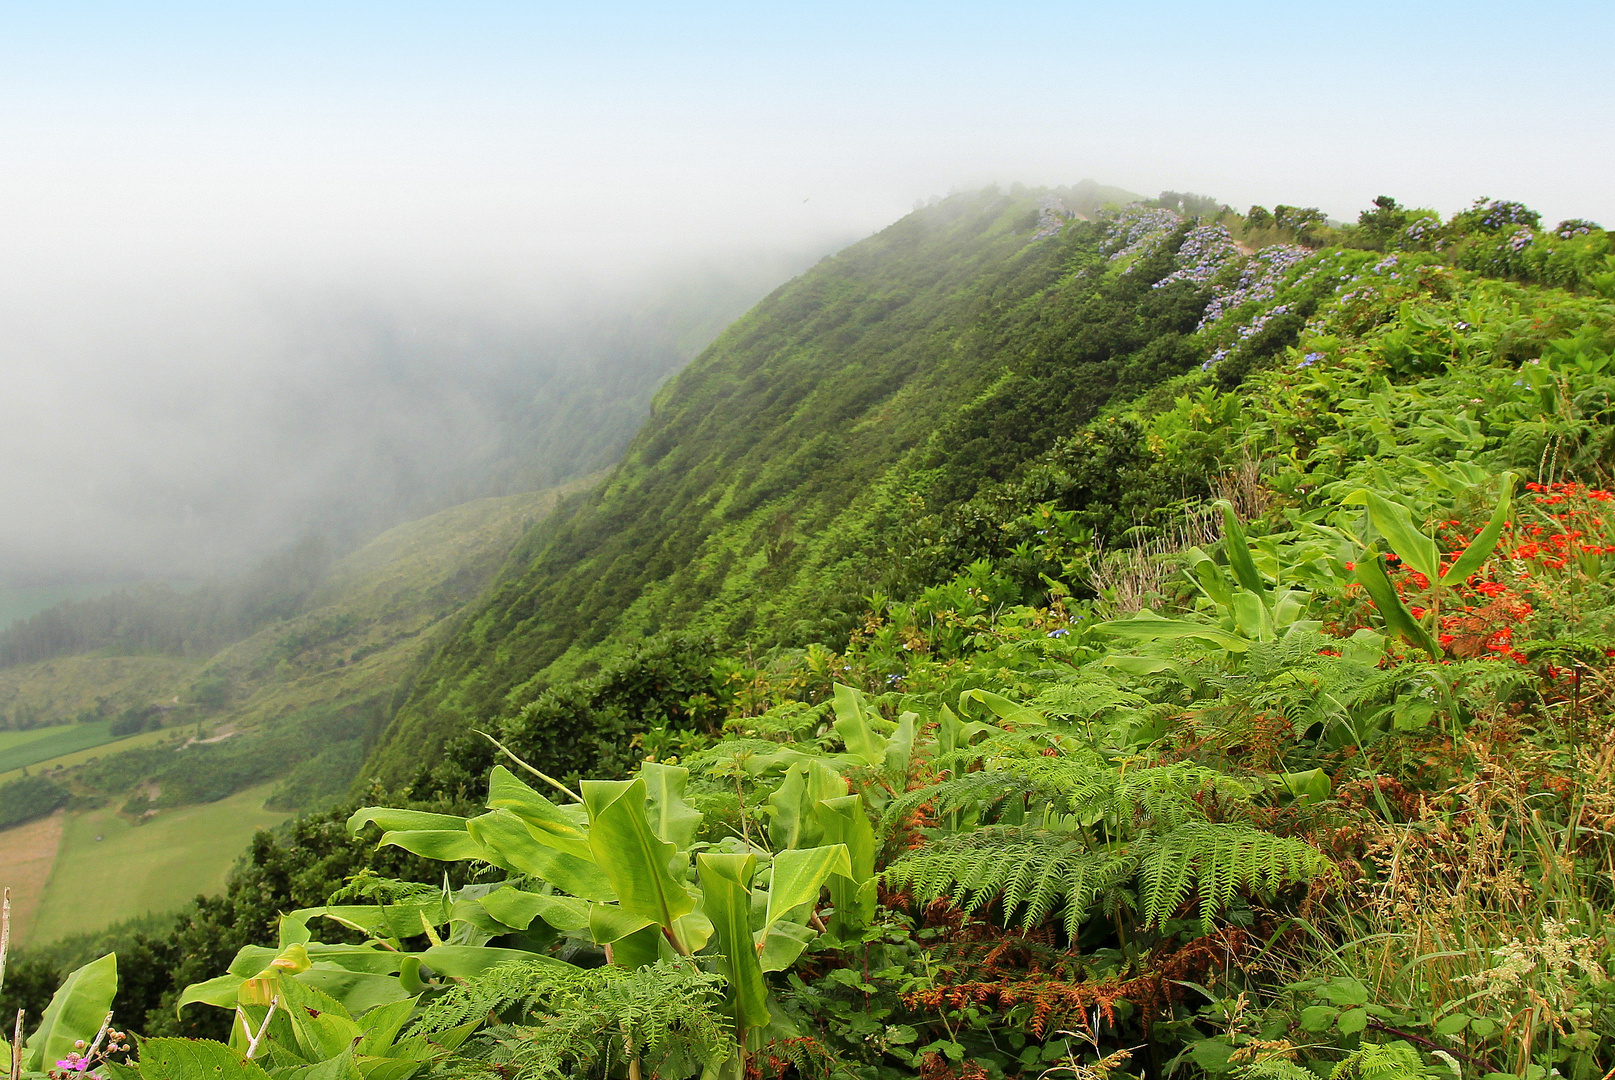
{"points": [[402, 920], [439, 844], [1209, 576], [518, 909], [798, 875], [1482, 546], [75, 1012], [636, 861], [460, 961], [950, 731], [505, 834], [609, 923], [845, 823], [783, 944], [393, 820], [792, 823], [1370, 571], [1310, 786], [322, 1035], [356, 990], [1138, 665], [1002, 708], [671, 818], [1395, 522], [852, 724], [726, 884], [900, 745], [1346, 991], [341, 1067], [1150, 626], [694, 929], [387, 1068], [549, 824], [195, 1059], [252, 959], [382, 1025], [454, 1037], [1252, 618], [642, 948], [1316, 1018], [1237, 547], [1352, 1021], [219, 992]]}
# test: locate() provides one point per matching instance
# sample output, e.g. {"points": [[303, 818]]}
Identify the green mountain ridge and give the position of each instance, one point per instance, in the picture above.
{"points": [[765, 482], [1187, 650]]}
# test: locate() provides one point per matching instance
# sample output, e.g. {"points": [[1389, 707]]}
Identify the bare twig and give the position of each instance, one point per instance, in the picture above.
{"points": [[106, 1025], [252, 1043], [5, 932], [16, 1048]]}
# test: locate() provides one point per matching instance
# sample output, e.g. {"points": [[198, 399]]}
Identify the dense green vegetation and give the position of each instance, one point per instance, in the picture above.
{"points": [[29, 797], [1255, 724], [775, 468]]}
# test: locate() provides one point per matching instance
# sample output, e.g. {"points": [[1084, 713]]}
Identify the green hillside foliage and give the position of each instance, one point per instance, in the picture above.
{"points": [[29, 797], [775, 468], [1256, 727]]}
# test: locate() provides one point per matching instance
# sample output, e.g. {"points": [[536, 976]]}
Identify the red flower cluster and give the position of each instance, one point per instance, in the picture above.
{"points": [[1575, 532]]}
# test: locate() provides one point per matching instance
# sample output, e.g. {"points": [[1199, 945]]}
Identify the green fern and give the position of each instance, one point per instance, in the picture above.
{"points": [[1215, 860], [1085, 787], [1034, 871], [577, 1021], [1077, 834], [1275, 1068], [1380, 1061], [370, 886]]}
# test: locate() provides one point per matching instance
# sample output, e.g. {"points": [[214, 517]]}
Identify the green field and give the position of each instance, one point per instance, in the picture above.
{"points": [[10, 740], [19, 749], [161, 864], [80, 756]]}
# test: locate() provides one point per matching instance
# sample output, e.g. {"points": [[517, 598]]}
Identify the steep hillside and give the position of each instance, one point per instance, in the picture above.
{"points": [[759, 499], [1299, 763]]}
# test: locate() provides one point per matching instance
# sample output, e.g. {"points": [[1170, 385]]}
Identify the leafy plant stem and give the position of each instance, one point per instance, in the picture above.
{"points": [[556, 784], [1379, 1025]]}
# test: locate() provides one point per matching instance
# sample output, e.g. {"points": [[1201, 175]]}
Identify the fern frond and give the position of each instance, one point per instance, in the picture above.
{"points": [[1380, 1061], [368, 885], [1087, 697], [1275, 1068], [1033, 871], [1085, 787], [1214, 860], [589, 1021]]}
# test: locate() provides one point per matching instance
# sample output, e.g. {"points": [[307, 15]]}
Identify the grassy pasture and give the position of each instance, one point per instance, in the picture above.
{"points": [[54, 742], [160, 864], [80, 756]]}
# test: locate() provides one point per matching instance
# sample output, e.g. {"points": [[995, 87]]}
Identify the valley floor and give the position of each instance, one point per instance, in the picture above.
{"points": [[56, 867]]}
